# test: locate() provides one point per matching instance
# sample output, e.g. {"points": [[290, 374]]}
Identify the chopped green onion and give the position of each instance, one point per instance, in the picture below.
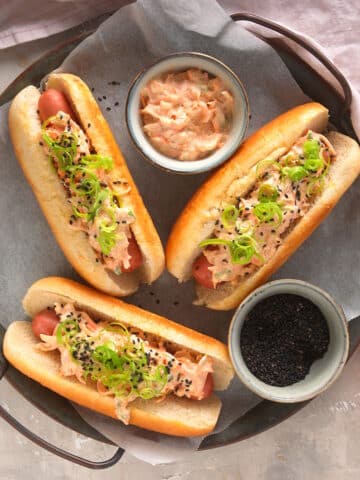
{"points": [[314, 164], [117, 327], [214, 241], [311, 148], [107, 237], [98, 202], [267, 193], [65, 330], [64, 149], [125, 371], [296, 174], [242, 248], [269, 212], [229, 216], [108, 357], [95, 161], [87, 186]]}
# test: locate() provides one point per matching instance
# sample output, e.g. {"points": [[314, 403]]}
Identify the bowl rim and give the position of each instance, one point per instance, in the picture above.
{"points": [[197, 166], [339, 366]]}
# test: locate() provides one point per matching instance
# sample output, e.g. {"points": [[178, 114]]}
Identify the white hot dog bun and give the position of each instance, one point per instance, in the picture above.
{"points": [[173, 416], [196, 222], [25, 131]]}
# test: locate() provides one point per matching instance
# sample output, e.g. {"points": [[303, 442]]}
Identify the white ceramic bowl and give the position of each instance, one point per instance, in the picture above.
{"points": [[323, 371], [180, 62]]}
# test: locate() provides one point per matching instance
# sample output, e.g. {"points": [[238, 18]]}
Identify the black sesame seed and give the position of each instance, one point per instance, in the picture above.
{"points": [[108, 109], [116, 104]]}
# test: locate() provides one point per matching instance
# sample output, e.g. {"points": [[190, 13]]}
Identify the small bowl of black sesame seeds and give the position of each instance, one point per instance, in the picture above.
{"points": [[288, 341]]}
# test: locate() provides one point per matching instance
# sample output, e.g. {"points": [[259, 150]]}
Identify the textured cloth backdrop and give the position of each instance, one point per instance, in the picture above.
{"points": [[335, 24]]}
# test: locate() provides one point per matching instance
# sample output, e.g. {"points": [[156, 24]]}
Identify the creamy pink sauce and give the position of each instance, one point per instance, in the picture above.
{"points": [[295, 204], [186, 115]]}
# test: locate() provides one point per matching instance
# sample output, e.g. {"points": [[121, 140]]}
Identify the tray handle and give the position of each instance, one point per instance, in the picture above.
{"points": [[307, 45], [43, 443]]}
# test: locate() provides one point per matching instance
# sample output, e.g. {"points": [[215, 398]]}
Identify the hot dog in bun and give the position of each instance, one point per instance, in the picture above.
{"points": [[80, 178], [118, 359], [256, 210]]}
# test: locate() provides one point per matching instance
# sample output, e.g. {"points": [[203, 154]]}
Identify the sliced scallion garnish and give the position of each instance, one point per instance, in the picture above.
{"points": [[242, 248], [314, 165], [65, 330], [269, 212], [229, 216], [267, 193], [296, 174], [311, 148]]}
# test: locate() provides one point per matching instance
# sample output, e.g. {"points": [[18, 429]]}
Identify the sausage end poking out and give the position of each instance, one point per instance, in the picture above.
{"points": [[51, 102], [44, 322]]}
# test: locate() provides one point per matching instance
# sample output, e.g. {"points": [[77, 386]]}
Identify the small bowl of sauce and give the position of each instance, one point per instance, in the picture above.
{"points": [[288, 341], [187, 113]]}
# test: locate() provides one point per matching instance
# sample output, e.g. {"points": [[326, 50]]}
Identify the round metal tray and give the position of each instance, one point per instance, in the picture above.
{"points": [[264, 415]]}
